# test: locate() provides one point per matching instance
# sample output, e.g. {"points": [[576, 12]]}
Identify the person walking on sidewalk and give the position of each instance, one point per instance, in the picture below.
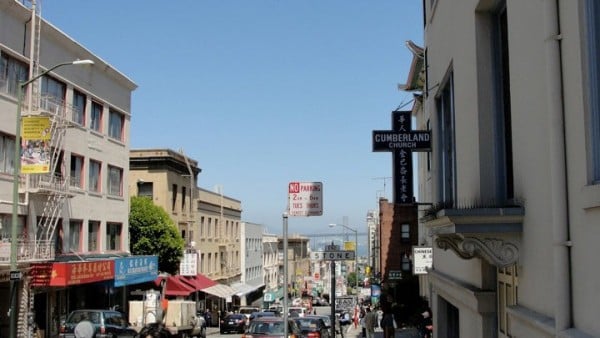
{"points": [[370, 322], [388, 323]]}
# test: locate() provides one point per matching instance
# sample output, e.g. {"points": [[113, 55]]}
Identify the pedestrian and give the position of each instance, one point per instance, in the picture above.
{"points": [[363, 312], [208, 318], [426, 325], [388, 323], [370, 322]]}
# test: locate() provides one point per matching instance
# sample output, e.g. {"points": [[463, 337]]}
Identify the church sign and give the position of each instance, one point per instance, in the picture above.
{"points": [[401, 141]]}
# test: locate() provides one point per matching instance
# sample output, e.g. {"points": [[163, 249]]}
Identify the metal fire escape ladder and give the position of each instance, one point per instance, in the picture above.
{"points": [[56, 182]]}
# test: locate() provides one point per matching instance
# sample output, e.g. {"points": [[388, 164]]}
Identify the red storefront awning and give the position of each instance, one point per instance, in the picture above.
{"points": [[72, 273], [174, 286], [198, 282]]}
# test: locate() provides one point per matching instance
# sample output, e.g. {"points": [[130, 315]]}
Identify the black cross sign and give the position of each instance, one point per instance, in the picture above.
{"points": [[402, 141]]}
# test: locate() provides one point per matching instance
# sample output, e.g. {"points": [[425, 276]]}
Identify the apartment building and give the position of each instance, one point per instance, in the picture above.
{"points": [[251, 280], [270, 261], [299, 265], [72, 201], [219, 236], [511, 97], [169, 179]]}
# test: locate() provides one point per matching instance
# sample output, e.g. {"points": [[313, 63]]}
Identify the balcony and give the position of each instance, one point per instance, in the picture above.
{"points": [[27, 251], [491, 233], [50, 183]]}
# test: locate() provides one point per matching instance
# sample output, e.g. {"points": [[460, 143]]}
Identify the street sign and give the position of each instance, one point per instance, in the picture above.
{"points": [[332, 247], [305, 199], [189, 264], [422, 260], [16, 275], [333, 255], [395, 274]]}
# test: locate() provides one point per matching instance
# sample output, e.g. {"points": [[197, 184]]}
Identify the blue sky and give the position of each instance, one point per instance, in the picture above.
{"points": [[261, 92]]}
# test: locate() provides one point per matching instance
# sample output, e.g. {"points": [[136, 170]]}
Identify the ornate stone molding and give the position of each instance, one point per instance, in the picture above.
{"points": [[495, 251]]}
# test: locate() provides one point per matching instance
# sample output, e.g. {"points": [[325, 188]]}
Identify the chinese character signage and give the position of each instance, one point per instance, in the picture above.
{"points": [[35, 145], [422, 260], [135, 269], [72, 273]]}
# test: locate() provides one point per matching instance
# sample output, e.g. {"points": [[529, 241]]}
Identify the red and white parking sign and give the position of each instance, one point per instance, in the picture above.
{"points": [[305, 199]]}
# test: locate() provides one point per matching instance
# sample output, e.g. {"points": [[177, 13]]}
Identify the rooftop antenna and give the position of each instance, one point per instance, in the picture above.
{"points": [[384, 182]]}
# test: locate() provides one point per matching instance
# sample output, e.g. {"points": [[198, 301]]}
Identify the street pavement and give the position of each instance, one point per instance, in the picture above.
{"points": [[352, 332]]}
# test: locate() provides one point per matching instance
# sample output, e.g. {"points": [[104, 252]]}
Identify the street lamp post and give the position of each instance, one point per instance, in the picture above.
{"points": [[355, 253], [14, 282]]}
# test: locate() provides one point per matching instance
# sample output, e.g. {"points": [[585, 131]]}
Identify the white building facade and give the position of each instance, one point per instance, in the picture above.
{"points": [[251, 261], [75, 208], [270, 261], [512, 98]]}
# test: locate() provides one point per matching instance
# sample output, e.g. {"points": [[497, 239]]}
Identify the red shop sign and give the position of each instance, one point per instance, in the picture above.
{"points": [[73, 273]]}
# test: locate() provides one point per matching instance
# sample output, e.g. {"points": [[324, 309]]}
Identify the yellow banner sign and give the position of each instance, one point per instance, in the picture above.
{"points": [[35, 128], [35, 146]]}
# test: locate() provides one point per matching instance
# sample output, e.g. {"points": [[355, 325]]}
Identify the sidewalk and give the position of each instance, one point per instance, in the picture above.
{"points": [[352, 332]]}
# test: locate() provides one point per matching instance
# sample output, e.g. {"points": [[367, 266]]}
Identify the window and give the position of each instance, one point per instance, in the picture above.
{"points": [[53, 94], [93, 235], [405, 233], [59, 159], [173, 196], [94, 176], [7, 154], [76, 171], [429, 152], [447, 160], [113, 236], [503, 138], [145, 189], [592, 38], [75, 235], [202, 227], [115, 125], [12, 72], [79, 102], [96, 117], [183, 194], [115, 181]]}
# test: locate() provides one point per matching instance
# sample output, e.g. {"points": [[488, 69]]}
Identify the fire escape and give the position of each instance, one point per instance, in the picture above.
{"points": [[45, 193]]}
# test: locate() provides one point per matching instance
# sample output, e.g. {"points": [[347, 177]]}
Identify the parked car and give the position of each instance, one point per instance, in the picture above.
{"points": [[297, 311], [312, 327], [96, 324], [326, 319], [268, 327], [247, 311], [261, 314], [235, 322]]}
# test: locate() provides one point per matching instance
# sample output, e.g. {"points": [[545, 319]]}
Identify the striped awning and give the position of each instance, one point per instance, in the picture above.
{"points": [[220, 290], [242, 289]]}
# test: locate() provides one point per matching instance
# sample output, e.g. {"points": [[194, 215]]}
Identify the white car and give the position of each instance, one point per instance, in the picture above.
{"points": [[297, 311]]}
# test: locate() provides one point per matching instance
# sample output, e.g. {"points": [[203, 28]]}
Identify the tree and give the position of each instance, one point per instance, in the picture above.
{"points": [[351, 280], [152, 232]]}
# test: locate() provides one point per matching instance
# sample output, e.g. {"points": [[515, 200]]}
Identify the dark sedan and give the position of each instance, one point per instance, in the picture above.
{"points": [[312, 327], [97, 324], [235, 322], [271, 327]]}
